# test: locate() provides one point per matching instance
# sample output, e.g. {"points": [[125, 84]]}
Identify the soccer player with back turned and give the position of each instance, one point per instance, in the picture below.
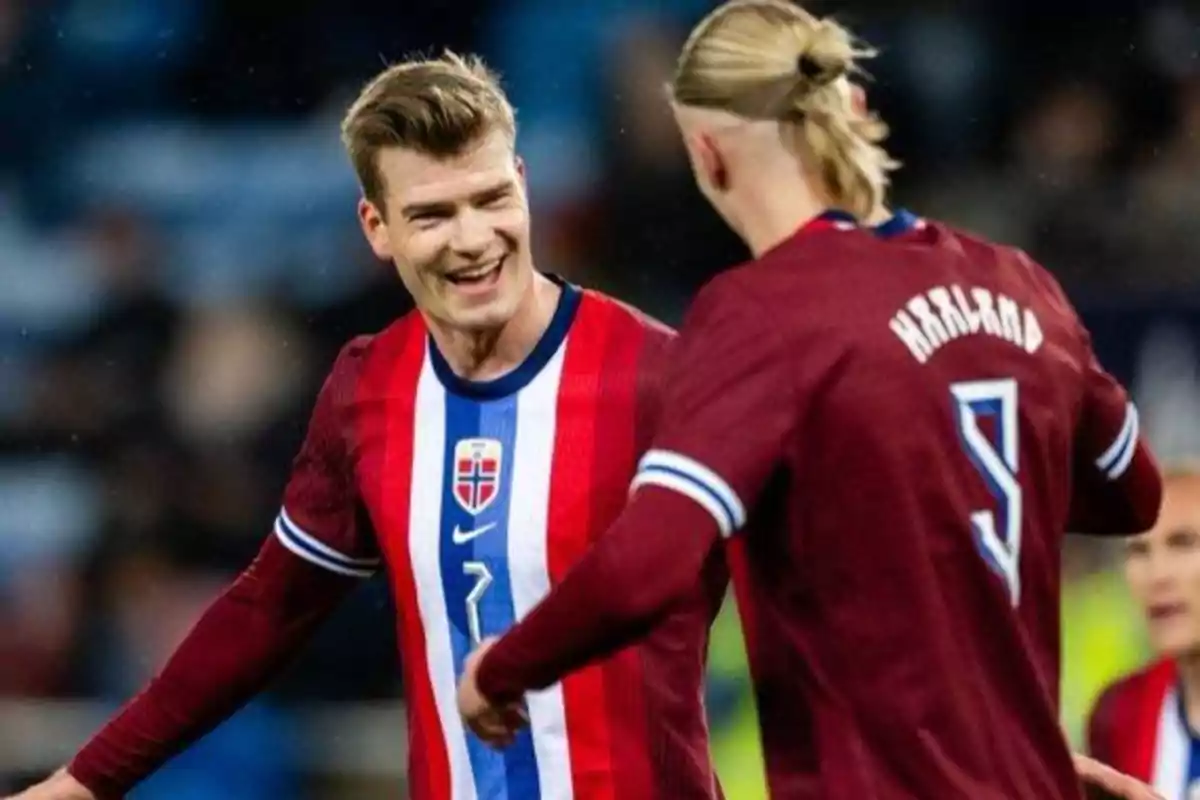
{"points": [[899, 431]]}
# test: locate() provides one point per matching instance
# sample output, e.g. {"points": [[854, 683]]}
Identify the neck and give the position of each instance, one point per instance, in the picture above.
{"points": [[770, 217], [489, 353], [1188, 667]]}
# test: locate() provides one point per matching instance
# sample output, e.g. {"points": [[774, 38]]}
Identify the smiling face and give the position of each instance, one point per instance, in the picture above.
{"points": [[1162, 567], [457, 229]]}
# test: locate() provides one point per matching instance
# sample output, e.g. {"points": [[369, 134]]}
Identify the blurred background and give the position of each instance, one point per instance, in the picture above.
{"points": [[179, 261]]}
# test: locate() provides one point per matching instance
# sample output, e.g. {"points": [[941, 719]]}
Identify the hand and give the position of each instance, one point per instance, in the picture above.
{"points": [[495, 725], [59, 786], [1109, 780]]}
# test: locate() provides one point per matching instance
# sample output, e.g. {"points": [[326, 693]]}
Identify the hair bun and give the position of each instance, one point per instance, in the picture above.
{"points": [[816, 74], [808, 67], [825, 52]]}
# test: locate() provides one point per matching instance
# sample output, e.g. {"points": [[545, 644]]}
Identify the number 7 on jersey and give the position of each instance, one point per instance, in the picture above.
{"points": [[995, 458]]}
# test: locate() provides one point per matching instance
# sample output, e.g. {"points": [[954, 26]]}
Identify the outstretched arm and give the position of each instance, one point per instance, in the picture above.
{"points": [[243, 640], [728, 411], [650, 559]]}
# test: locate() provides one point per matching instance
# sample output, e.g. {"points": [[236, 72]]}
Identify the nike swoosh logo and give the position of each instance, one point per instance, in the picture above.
{"points": [[460, 536]]}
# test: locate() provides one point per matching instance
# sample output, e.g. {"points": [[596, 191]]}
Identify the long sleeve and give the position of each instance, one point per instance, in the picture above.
{"points": [[1117, 483], [651, 557], [243, 640], [730, 405]]}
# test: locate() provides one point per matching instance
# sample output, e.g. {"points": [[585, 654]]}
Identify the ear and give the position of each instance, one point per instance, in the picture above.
{"points": [[710, 161], [375, 228], [858, 99], [519, 163]]}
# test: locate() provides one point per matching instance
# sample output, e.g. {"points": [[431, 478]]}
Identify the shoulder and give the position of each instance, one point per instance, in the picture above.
{"points": [[1010, 257], [625, 318], [1124, 705], [1154, 679], [789, 271], [363, 354], [627, 328]]}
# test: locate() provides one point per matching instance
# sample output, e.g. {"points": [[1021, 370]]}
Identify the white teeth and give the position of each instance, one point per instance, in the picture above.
{"points": [[475, 273]]}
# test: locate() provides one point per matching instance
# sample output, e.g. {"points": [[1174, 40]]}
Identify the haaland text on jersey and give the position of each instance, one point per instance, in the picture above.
{"points": [[942, 314]]}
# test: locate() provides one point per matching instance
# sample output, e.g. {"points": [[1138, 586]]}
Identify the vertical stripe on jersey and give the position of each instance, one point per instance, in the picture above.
{"points": [[429, 772], [424, 536], [568, 532], [1172, 749], [475, 577], [615, 457], [1147, 724], [527, 545], [1191, 772]]}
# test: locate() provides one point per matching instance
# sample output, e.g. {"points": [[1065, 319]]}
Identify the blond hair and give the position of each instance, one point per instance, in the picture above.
{"points": [[769, 59], [439, 107]]}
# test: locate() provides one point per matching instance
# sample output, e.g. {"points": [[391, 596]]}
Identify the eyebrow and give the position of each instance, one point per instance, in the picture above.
{"points": [[495, 190]]}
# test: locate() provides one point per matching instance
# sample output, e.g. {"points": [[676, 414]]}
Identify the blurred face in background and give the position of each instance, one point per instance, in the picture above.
{"points": [[457, 229], [1163, 570]]}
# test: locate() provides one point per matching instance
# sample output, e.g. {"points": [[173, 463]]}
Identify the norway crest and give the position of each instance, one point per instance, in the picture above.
{"points": [[477, 473]]}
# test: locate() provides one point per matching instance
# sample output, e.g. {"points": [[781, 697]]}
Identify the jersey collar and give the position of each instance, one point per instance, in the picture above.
{"points": [[901, 222], [831, 219], [516, 380]]}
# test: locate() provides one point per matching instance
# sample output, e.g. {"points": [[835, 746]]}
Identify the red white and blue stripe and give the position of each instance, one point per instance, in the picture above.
{"points": [[482, 495], [1117, 457]]}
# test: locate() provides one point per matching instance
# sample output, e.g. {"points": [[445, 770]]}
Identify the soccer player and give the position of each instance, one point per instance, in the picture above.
{"points": [[472, 450], [897, 432], [1146, 723]]}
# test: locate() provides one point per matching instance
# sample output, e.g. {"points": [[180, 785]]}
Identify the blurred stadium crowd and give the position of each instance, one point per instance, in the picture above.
{"points": [[179, 260]]}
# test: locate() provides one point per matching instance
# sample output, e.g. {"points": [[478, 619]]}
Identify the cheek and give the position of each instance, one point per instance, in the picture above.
{"points": [[512, 224], [1135, 577], [1190, 577], [420, 252]]}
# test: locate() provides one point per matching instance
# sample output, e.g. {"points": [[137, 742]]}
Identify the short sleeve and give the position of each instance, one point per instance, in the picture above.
{"points": [[320, 520], [1117, 487], [728, 407]]}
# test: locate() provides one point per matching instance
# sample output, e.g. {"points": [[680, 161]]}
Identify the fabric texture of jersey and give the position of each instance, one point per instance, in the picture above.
{"points": [[476, 497]]}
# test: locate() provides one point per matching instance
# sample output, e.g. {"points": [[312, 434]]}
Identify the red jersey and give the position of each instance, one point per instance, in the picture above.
{"points": [[900, 433], [476, 498], [894, 425], [1140, 727]]}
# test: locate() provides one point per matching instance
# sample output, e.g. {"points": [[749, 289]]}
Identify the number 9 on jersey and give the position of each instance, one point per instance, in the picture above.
{"points": [[997, 532]]}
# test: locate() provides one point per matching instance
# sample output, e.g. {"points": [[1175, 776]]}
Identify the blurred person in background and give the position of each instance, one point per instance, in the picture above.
{"points": [[1148, 724], [474, 449]]}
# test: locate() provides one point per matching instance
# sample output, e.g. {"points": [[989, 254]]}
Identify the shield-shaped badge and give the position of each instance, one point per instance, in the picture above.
{"points": [[476, 473]]}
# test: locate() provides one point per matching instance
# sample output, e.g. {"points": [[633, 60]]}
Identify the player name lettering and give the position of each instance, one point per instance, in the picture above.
{"points": [[944, 313]]}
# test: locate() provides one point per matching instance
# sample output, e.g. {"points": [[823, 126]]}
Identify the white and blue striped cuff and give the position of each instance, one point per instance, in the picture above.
{"points": [[691, 478], [1116, 459], [313, 550]]}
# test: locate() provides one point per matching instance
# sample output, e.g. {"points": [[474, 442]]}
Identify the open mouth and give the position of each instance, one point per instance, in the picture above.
{"points": [[1163, 611], [483, 275]]}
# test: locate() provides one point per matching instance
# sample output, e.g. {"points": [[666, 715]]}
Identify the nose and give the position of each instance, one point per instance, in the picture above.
{"points": [[472, 234]]}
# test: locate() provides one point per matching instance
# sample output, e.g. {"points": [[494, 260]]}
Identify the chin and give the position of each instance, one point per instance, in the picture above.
{"points": [[493, 315], [1176, 643]]}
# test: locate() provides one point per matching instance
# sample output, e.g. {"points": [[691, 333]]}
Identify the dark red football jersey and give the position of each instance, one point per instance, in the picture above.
{"points": [[902, 431]]}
